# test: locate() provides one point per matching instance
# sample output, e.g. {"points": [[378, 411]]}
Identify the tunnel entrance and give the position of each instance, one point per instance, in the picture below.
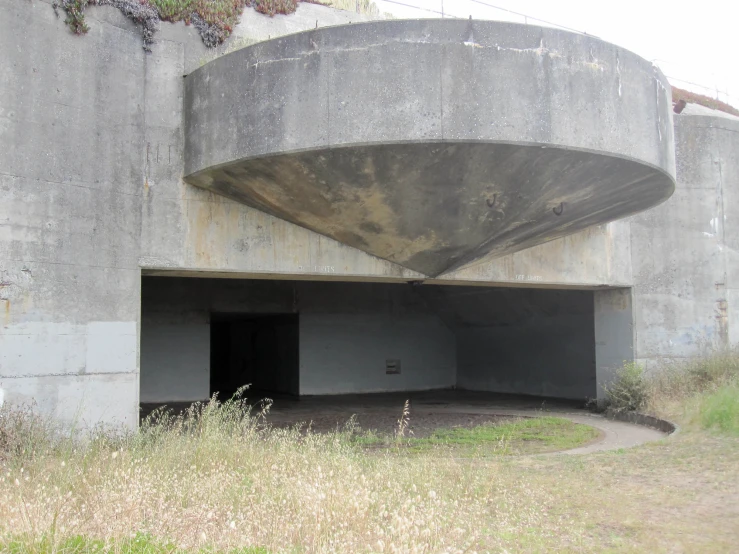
{"points": [[307, 338], [257, 350]]}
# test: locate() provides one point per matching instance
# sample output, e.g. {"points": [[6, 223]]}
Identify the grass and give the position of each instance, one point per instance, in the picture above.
{"points": [[701, 392], [719, 409], [138, 544], [220, 479], [521, 436]]}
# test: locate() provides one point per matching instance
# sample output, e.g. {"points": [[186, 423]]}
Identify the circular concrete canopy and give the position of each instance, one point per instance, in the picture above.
{"points": [[433, 143]]}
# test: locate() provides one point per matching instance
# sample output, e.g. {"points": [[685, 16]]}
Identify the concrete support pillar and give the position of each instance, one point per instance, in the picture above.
{"points": [[614, 334]]}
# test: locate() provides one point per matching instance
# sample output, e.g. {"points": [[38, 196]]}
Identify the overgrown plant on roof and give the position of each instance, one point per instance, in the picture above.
{"points": [[702, 100], [214, 19]]}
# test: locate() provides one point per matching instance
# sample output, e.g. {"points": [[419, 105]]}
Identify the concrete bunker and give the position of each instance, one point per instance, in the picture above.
{"points": [[294, 338], [432, 143]]}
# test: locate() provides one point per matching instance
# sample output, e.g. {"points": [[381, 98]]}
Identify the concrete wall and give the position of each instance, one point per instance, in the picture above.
{"points": [[91, 194], [177, 226], [347, 353], [72, 136], [175, 361], [347, 332], [614, 334], [524, 341], [91, 191], [685, 253], [188, 229]]}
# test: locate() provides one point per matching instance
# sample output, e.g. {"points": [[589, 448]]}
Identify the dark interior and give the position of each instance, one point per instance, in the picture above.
{"points": [[256, 350]]}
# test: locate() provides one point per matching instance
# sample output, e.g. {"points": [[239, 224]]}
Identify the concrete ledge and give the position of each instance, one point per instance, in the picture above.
{"points": [[643, 419]]}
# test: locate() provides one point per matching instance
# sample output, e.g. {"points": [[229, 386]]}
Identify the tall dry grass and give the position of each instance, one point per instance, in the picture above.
{"points": [[701, 391], [218, 477]]}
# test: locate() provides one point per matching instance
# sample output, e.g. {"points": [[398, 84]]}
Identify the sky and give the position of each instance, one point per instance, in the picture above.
{"points": [[690, 43]]}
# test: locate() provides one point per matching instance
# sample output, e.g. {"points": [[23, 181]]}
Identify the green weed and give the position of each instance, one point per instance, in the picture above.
{"points": [[521, 436], [701, 391], [628, 391], [719, 409]]}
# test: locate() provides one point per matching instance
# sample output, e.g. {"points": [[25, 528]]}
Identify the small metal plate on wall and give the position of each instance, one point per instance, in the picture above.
{"points": [[392, 367]]}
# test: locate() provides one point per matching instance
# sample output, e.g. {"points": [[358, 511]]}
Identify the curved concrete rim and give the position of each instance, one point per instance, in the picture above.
{"points": [[548, 145]]}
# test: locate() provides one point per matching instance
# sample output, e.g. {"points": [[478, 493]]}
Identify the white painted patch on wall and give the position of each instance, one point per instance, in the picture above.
{"points": [[45, 348]]}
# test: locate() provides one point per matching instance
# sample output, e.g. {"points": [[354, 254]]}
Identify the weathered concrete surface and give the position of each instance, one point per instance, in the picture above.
{"points": [[425, 143], [71, 167], [685, 253], [614, 334], [91, 193], [189, 230], [598, 256]]}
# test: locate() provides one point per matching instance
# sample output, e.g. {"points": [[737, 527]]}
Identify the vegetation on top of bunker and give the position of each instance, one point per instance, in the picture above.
{"points": [[214, 19], [702, 100]]}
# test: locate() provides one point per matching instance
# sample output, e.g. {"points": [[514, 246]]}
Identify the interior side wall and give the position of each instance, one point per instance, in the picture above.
{"points": [[349, 330], [524, 341], [614, 334], [347, 333], [175, 361], [347, 353]]}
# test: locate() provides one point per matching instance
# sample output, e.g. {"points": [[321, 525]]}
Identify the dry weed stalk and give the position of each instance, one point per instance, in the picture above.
{"points": [[403, 422], [219, 477]]}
